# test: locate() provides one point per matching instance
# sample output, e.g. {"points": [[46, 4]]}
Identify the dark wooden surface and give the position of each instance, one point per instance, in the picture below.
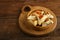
{"points": [[9, 13]]}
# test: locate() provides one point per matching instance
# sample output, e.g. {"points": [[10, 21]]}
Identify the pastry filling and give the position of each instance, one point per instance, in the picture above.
{"points": [[40, 18]]}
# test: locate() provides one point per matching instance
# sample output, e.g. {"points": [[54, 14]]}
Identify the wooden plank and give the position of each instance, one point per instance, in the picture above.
{"points": [[13, 7]]}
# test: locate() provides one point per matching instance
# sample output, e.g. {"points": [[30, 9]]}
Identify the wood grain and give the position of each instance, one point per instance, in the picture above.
{"points": [[9, 13]]}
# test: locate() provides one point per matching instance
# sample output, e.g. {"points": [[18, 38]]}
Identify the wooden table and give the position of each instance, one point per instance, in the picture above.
{"points": [[9, 14]]}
